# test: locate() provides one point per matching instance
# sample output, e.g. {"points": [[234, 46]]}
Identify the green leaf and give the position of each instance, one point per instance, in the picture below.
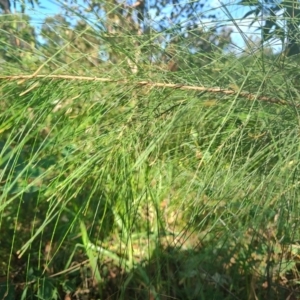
{"points": [[267, 34], [47, 290], [249, 2], [253, 11]]}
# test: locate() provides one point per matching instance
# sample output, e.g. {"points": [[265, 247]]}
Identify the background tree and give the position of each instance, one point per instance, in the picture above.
{"points": [[280, 19], [18, 40], [5, 5], [130, 34]]}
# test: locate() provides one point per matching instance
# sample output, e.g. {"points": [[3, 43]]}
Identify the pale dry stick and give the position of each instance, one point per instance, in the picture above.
{"points": [[247, 95], [66, 271]]}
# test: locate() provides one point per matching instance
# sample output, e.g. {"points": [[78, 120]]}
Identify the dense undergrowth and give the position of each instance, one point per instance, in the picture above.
{"points": [[131, 192], [121, 190]]}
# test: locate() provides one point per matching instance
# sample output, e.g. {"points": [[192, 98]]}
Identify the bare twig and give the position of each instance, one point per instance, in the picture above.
{"points": [[243, 94]]}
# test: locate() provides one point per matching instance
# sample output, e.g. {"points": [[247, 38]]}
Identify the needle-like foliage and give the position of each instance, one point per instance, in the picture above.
{"points": [[124, 179]]}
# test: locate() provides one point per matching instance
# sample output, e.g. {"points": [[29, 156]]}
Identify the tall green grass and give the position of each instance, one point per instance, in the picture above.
{"points": [[117, 190]]}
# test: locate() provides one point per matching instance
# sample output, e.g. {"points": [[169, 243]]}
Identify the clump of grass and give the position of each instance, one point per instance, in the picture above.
{"points": [[126, 191]]}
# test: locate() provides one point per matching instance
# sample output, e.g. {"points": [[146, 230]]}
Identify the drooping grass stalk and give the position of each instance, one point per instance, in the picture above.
{"points": [[185, 189]]}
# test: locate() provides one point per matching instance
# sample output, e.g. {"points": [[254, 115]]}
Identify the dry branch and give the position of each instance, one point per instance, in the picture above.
{"points": [[247, 95]]}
